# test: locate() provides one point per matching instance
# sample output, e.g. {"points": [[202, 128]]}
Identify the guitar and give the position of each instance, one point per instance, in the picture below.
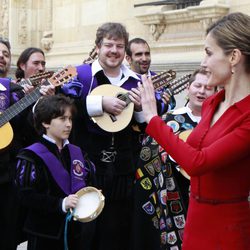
{"points": [[35, 80], [6, 132], [113, 123], [177, 86], [92, 57]]}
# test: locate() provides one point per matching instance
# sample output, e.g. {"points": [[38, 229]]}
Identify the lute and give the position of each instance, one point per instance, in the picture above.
{"points": [[111, 123], [6, 132]]}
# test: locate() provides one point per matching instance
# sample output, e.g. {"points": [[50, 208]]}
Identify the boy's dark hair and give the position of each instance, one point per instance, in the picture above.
{"points": [[136, 40], [111, 31], [51, 107], [23, 58], [5, 42]]}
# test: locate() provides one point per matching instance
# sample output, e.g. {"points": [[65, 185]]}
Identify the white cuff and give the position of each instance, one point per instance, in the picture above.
{"points": [[63, 205], [94, 105], [139, 116]]}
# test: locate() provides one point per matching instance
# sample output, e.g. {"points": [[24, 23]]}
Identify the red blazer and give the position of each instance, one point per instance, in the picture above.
{"points": [[218, 160]]}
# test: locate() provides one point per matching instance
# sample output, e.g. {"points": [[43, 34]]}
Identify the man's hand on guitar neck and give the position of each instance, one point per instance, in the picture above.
{"points": [[44, 89], [47, 89], [166, 97], [113, 105], [27, 88]]}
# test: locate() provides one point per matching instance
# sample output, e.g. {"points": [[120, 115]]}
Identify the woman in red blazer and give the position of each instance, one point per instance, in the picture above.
{"points": [[217, 153]]}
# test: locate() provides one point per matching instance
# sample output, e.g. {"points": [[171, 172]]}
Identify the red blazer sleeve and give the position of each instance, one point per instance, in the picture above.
{"points": [[232, 147]]}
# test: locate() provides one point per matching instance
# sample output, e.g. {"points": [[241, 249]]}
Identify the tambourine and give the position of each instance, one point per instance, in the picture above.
{"points": [[90, 204]]}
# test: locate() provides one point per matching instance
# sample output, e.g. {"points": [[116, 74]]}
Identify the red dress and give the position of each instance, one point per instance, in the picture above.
{"points": [[218, 160]]}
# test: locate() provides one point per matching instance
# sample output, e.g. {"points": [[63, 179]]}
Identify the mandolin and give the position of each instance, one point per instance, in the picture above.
{"points": [[6, 132], [113, 123]]}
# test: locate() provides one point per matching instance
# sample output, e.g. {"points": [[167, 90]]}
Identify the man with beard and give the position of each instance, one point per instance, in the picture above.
{"points": [[5, 58], [111, 152], [139, 58], [30, 62]]}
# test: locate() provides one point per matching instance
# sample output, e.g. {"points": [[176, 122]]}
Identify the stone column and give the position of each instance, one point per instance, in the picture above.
{"points": [[23, 22]]}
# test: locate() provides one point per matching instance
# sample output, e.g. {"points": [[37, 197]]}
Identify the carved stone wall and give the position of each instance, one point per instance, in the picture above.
{"points": [[4, 18], [65, 29], [23, 23], [47, 35]]}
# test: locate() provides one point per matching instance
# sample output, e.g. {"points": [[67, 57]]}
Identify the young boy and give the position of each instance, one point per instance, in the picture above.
{"points": [[47, 177]]}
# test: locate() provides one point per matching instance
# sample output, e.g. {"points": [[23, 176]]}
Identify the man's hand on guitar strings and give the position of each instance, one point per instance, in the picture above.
{"points": [[113, 105]]}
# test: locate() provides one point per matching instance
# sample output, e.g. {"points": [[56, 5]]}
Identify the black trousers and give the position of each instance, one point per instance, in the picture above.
{"points": [[113, 227], [8, 217], [76, 240]]}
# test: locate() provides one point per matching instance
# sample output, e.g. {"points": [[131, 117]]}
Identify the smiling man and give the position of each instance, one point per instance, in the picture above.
{"points": [[5, 57], [111, 152], [30, 62], [138, 56]]}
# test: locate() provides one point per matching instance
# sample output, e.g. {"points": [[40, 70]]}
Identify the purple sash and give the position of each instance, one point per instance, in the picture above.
{"points": [[4, 94], [69, 183]]}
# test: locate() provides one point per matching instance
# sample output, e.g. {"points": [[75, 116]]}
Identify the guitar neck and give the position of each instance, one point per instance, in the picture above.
{"points": [[57, 79], [22, 82], [19, 106], [163, 79], [35, 80], [178, 85]]}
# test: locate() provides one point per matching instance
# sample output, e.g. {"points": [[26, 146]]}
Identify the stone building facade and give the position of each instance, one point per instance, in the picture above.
{"points": [[65, 29]]}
